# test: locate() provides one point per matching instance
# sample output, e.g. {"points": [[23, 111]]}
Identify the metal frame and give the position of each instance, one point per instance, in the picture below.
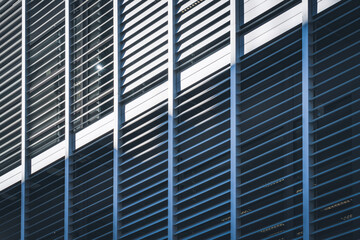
{"points": [[237, 50], [233, 118], [171, 117], [116, 119], [69, 137], [25, 163], [308, 10]]}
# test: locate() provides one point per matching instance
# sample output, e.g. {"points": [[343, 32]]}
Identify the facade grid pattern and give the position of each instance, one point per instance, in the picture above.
{"points": [[179, 119]]}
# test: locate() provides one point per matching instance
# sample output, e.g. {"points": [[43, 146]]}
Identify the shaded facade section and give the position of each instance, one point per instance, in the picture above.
{"points": [[335, 123]]}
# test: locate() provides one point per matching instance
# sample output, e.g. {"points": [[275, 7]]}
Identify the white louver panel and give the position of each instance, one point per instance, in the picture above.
{"points": [[91, 61], [10, 86], [45, 75]]}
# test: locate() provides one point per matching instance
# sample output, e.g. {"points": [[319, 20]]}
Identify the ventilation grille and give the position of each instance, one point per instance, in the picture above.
{"points": [[144, 47], [10, 86], [91, 61], [45, 75], [143, 175], [10, 212], [202, 115], [336, 129], [91, 191], [270, 140], [202, 169], [45, 206], [203, 27]]}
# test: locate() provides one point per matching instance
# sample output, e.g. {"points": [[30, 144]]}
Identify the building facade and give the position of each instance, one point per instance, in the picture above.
{"points": [[187, 119]]}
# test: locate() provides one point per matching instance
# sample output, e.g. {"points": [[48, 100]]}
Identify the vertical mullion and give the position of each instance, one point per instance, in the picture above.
{"points": [[237, 50], [69, 139], [116, 118], [233, 128], [171, 117], [25, 165], [307, 13]]}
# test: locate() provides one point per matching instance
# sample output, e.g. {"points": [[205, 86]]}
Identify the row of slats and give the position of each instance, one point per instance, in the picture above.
{"points": [[10, 212], [143, 168], [144, 46], [202, 159], [91, 61], [202, 29], [10, 85], [45, 75], [92, 190], [143, 152], [202, 130], [45, 206], [336, 118], [270, 140]]}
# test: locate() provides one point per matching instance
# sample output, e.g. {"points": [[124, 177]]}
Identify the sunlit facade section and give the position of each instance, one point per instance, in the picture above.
{"points": [[179, 119]]}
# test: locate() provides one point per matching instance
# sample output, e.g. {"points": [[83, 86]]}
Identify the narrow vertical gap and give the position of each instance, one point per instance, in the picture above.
{"points": [[69, 138], [171, 117], [308, 9], [116, 118], [25, 165]]}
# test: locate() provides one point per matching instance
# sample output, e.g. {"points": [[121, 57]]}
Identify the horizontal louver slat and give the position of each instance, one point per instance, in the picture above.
{"points": [[335, 122]]}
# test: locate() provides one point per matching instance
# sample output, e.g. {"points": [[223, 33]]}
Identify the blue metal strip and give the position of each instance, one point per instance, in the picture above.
{"points": [[307, 13], [25, 166], [68, 135], [117, 119], [171, 117]]}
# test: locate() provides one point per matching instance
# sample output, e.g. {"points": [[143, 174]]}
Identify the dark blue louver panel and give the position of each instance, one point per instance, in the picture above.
{"points": [[335, 124], [45, 206], [202, 169], [143, 175], [10, 212], [91, 190], [91, 61], [10, 85], [270, 140], [45, 74]]}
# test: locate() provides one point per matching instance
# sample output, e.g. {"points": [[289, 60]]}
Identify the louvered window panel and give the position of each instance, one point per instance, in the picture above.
{"points": [[92, 188], [202, 128], [336, 118], [10, 85], [203, 28], [91, 61], [45, 206], [144, 46], [143, 172], [202, 169], [10, 212], [270, 140], [45, 74]]}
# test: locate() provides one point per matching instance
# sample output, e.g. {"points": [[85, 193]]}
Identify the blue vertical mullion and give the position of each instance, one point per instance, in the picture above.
{"points": [[25, 163], [308, 9], [116, 119], [237, 50], [171, 117], [233, 114], [69, 136]]}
